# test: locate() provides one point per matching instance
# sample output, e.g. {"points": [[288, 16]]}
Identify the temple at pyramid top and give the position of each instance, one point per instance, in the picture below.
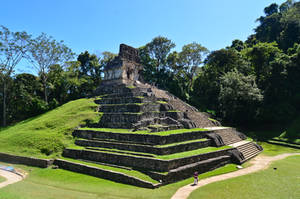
{"points": [[124, 68]]}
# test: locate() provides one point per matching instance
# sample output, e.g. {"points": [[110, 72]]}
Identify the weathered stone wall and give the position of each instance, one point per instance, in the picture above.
{"points": [[134, 108], [15, 159], [140, 138], [117, 159], [188, 171], [129, 53], [102, 173], [140, 162], [206, 165], [121, 100], [145, 148]]}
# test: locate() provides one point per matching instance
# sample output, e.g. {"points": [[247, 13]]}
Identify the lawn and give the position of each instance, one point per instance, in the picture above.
{"points": [[272, 149], [48, 134], [288, 132], [57, 183], [282, 183], [2, 179]]}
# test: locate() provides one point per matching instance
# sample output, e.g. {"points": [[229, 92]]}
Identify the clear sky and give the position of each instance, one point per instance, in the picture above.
{"points": [[101, 25]]}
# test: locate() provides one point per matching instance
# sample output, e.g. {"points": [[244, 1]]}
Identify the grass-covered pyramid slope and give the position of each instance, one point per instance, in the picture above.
{"points": [[48, 134]]}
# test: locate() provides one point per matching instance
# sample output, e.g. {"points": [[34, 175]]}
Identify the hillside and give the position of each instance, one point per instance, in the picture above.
{"points": [[48, 134]]}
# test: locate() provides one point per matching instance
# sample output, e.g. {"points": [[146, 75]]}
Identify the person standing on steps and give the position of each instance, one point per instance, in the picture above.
{"points": [[196, 178]]}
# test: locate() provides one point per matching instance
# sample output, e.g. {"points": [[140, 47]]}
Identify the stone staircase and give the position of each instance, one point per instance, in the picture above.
{"points": [[249, 150]]}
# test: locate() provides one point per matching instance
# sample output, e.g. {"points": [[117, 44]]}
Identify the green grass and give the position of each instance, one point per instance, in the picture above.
{"points": [[161, 133], [161, 102], [110, 130], [57, 183], [2, 179], [191, 153], [289, 132], [128, 104], [213, 120], [131, 87], [49, 133], [272, 149], [268, 184], [292, 133]]}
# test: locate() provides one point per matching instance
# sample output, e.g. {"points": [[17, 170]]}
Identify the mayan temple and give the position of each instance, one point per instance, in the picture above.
{"points": [[146, 129]]}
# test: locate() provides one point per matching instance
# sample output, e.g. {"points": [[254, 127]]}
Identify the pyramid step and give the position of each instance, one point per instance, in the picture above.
{"points": [[203, 166], [160, 163], [142, 137], [158, 150], [123, 100], [134, 108]]}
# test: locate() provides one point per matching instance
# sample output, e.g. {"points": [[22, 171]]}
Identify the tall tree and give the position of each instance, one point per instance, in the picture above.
{"points": [[13, 46], [191, 57], [239, 97], [44, 52], [156, 53]]}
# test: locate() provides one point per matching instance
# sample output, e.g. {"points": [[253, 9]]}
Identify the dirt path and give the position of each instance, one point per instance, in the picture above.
{"points": [[10, 178], [259, 163]]}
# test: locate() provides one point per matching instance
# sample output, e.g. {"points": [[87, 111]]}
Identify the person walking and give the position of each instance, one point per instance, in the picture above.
{"points": [[196, 178]]}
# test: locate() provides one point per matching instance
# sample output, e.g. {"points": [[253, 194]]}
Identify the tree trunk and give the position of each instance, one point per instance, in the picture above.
{"points": [[4, 104], [45, 92]]}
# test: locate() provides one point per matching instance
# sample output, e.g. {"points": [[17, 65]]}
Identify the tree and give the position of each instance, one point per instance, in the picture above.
{"points": [[156, 53], [260, 56], [271, 9], [45, 52], [282, 27], [239, 97], [206, 87], [190, 58], [158, 49], [26, 95], [13, 46]]}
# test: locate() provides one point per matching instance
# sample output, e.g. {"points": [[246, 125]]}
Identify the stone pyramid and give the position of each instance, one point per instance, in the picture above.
{"points": [[150, 131]]}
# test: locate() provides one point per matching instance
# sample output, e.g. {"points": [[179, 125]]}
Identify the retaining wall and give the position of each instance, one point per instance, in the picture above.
{"points": [[141, 138], [188, 171], [15, 159], [102, 173], [140, 162], [146, 148]]}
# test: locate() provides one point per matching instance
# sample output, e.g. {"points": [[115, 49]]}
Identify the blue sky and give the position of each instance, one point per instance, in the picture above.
{"points": [[101, 25]]}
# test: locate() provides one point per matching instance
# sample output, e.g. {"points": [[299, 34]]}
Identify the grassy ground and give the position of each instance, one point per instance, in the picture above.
{"points": [[284, 182], [48, 133], [50, 184], [2, 179], [272, 150], [289, 132]]}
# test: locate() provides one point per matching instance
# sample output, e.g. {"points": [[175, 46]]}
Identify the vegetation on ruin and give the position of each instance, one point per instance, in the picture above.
{"points": [[283, 182], [48, 134]]}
